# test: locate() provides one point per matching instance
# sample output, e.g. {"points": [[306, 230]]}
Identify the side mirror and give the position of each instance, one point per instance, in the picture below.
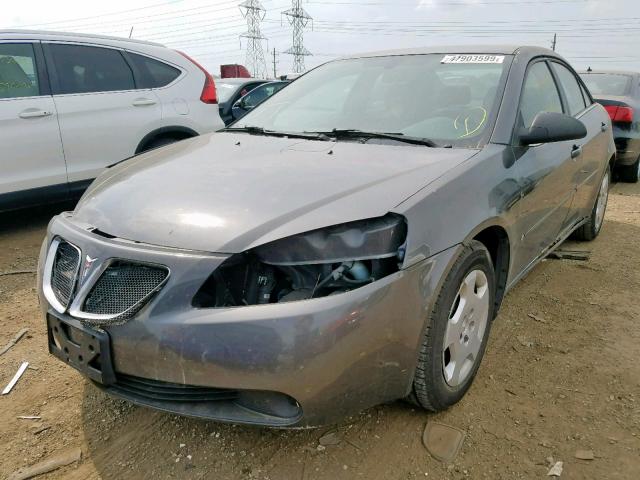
{"points": [[550, 127]]}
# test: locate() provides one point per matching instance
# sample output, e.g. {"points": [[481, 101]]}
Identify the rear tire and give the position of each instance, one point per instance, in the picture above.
{"points": [[591, 229], [456, 336], [630, 173]]}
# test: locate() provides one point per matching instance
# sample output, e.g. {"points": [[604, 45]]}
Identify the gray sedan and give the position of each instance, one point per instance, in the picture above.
{"points": [[347, 243]]}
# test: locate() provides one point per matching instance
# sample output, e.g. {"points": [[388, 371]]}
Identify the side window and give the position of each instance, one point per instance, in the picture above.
{"points": [[255, 97], [539, 94], [571, 88], [83, 69], [18, 74], [152, 73]]}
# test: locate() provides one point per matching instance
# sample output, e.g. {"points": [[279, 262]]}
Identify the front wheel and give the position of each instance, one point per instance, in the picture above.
{"points": [[591, 229], [458, 329]]}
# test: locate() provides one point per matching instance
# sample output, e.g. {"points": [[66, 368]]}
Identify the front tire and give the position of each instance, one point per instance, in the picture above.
{"points": [[591, 229], [456, 337], [630, 173]]}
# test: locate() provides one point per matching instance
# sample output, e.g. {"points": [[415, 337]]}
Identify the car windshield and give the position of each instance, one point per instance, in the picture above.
{"points": [[607, 83], [449, 99], [226, 90]]}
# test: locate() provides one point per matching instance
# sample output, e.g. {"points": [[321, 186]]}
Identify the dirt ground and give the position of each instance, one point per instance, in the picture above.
{"points": [[564, 381]]}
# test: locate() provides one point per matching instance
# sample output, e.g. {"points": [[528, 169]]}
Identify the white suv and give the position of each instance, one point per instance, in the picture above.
{"points": [[73, 104]]}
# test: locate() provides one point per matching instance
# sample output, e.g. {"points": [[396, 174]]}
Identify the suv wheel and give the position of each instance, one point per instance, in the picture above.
{"points": [[458, 329]]}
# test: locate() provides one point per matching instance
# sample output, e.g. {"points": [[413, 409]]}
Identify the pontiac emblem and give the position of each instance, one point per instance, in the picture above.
{"points": [[88, 262]]}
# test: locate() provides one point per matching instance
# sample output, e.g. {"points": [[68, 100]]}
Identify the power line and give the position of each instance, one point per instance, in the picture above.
{"points": [[299, 19]]}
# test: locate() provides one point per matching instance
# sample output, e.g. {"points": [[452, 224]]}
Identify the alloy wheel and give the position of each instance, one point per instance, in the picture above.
{"points": [[466, 326]]}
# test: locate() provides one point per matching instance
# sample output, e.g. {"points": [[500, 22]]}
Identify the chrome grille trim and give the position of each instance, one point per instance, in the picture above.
{"points": [[59, 286], [109, 313]]}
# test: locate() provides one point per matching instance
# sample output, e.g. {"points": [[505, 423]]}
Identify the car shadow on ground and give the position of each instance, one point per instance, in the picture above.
{"points": [[127, 441]]}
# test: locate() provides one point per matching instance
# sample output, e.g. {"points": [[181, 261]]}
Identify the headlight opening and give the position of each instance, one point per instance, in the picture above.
{"points": [[315, 264]]}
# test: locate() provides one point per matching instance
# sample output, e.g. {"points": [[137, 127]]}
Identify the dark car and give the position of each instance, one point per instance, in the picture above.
{"points": [[230, 90], [346, 243], [255, 97], [619, 92]]}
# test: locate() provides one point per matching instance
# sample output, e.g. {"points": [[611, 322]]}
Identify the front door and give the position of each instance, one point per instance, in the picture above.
{"points": [[32, 156]]}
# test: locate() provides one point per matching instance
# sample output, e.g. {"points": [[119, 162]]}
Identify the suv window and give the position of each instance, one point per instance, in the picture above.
{"points": [[18, 74], [83, 69], [539, 94], [152, 73], [571, 88]]}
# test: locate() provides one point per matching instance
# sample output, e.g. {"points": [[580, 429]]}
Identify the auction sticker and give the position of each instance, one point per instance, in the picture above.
{"points": [[473, 59]]}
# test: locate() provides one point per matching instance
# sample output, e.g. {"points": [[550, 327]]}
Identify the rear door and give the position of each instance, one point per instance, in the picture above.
{"points": [[103, 114], [590, 154], [546, 171], [32, 155]]}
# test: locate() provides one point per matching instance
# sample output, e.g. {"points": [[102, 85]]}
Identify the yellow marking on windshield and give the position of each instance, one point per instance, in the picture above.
{"points": [[469, 132]]}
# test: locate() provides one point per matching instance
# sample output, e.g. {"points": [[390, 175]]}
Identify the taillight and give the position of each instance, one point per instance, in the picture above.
{"points": [[620, 114], [208, 94]]}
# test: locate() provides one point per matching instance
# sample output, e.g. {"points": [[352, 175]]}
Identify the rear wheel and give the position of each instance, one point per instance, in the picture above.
{"points": [[455, 340], [630, 173], [591, 229]]}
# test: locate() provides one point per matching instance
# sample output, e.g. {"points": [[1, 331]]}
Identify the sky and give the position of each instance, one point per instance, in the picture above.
{"points": [[597, 33]]}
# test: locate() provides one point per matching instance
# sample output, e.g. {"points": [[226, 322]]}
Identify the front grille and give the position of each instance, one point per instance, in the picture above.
{"points": [[123, 289], [64, 272], [171, 392]]}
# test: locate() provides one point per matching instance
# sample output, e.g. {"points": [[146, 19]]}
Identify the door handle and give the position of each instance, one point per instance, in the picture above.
{"points": [[576, 152], [35, 113], [143, 102], [604, 127]]}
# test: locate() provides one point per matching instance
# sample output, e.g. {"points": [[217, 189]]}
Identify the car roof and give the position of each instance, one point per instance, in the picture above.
{"points": [[462, 49], [20, 34]]}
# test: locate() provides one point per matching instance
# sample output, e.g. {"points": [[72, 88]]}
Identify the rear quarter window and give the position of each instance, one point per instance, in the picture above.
{"points": [[151, 73]]}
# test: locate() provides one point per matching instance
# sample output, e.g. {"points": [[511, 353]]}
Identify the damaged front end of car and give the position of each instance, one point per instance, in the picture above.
{"points": [[314, 264]]}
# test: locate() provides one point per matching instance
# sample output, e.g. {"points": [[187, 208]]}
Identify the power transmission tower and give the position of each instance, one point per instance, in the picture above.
{"points": [[254, 12], [275, 64], [299, 19]]}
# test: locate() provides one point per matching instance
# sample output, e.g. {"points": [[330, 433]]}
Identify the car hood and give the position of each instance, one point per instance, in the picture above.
{"points": [[229, 192]]}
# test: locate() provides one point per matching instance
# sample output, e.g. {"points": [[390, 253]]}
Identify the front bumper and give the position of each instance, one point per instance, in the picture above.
{"points": [[332, 356]]}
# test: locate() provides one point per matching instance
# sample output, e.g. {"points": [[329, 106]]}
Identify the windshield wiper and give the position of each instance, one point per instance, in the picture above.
{"points": [[252, 130], [340, 133]]}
